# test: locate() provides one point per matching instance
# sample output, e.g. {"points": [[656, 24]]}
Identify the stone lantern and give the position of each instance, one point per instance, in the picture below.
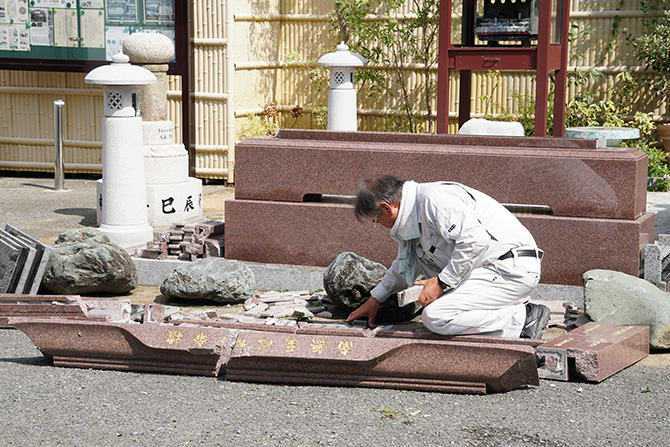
{"points": [[342, 94], [123, 197]]}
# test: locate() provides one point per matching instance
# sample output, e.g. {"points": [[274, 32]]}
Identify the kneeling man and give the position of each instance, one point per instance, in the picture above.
{"points": [[479, 260]]}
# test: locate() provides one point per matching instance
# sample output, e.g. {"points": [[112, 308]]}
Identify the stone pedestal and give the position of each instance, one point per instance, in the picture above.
{"points": [[172, 196]]}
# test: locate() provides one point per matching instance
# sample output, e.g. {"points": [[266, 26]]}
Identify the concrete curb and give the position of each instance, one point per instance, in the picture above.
{"points": [[152, 272]]}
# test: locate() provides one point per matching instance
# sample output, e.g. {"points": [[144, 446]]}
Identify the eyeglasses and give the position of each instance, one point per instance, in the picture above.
{"points": [[375, 224]]}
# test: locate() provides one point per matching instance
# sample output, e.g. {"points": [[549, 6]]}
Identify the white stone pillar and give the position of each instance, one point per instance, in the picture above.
{"points": [[123, 192]]}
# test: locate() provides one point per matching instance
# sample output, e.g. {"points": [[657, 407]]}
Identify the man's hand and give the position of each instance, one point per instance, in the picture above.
{"points": [[368, 309], [431, 291]]}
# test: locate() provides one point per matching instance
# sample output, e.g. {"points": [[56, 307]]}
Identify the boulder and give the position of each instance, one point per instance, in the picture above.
{"points": [[348, 281], [618, 298], [84, 261], [217, 279], [350, 277]]}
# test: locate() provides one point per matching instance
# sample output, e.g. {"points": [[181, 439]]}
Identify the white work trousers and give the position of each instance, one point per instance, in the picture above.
{"points": [[488, 301]]}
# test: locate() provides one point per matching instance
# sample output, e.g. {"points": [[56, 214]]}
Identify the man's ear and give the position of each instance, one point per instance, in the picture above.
{"points": [[384, 206]]}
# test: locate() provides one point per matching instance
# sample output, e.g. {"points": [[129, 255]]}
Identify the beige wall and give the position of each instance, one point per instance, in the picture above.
{"points": [[248, 53]]}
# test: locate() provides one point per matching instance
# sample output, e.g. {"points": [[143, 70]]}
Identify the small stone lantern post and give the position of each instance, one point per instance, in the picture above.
{"points": [[342, 94], [123, 197]]}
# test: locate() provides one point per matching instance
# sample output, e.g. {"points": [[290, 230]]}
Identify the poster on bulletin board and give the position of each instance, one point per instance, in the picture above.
{"points": [[78, 30]]}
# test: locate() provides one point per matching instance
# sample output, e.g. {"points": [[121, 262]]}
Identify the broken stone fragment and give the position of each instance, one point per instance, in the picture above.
{"points": [[222, 280]]}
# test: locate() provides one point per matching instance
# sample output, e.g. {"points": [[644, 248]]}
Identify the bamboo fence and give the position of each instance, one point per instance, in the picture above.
{"points": [[250, 53]]}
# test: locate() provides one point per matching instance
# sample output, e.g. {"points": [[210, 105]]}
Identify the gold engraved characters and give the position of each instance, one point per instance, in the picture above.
{"points": [[345, 347], [174, 337], [291, 344], [201, 339], [264, 343], [318, 346]]}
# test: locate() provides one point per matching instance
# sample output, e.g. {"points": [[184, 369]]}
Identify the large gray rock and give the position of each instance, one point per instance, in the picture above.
{"points": [[348, 281], [84, 261], [217, 279], [618, 298]]}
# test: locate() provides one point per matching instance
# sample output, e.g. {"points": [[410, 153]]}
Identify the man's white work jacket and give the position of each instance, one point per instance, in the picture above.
{"points": [[461, 229]]}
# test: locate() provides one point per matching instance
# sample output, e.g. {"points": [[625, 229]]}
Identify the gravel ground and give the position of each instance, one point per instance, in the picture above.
{"points": [[46, 405], [41, 405]]}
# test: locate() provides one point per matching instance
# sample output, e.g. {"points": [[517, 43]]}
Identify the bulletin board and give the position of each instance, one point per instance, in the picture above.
{"points": [[73, 31]]}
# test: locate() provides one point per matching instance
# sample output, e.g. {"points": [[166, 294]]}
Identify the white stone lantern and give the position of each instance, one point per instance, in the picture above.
{"points": [[123, 196], [342, 94]]}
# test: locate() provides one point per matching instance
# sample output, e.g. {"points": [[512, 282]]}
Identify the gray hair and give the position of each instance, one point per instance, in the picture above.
{"points": [[375, 190]]}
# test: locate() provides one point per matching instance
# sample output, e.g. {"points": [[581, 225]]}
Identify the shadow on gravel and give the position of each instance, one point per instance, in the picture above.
{"points": [[88, 214], [34, 361]]}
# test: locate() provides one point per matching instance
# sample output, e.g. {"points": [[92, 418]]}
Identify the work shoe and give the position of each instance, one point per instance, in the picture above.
{"points": [[537, 317]]}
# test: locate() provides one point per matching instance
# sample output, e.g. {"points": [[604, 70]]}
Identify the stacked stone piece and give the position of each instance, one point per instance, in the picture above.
{"points": [[23, 260], [186, 242], [657, 262]]}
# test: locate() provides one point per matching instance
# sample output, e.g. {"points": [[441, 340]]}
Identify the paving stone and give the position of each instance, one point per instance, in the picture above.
{"points": [[214, 246], [210, 228], [148, 253], [599, 350]]}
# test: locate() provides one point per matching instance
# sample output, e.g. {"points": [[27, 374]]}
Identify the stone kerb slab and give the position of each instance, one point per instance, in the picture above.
{"points": [[310, 355], [574, 182], [429, 365], [596, 351], [155, 347], [313, 234]]}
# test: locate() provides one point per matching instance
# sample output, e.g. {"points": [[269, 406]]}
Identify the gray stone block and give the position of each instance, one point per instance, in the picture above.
{"points": [[25, 255], [40, 261]]}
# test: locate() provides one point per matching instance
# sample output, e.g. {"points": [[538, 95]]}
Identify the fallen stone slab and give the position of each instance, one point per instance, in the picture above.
{"points": [[383, 357], [13, 256], [593, 352], [63, 306], [155, 347], [398, 363]]}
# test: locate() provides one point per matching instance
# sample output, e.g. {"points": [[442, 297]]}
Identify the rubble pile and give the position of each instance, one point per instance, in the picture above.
{"points": [[186, 242]]}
